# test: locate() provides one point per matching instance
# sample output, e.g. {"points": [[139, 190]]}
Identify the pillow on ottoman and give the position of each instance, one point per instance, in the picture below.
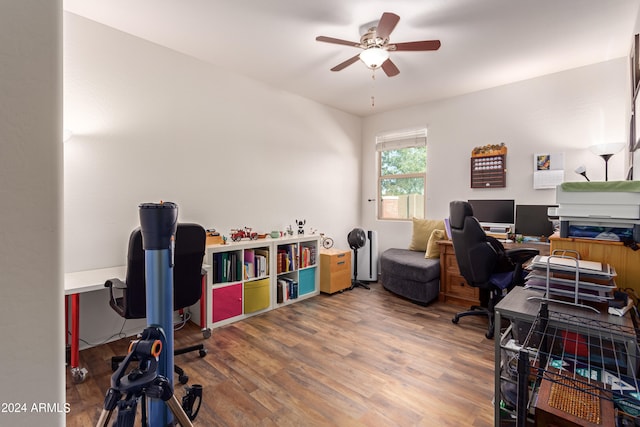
{"points": [[422, 229], [433, 250]]}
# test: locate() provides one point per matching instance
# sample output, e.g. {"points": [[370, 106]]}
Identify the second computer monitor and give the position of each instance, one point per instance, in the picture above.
{"points": [[533, 220]]}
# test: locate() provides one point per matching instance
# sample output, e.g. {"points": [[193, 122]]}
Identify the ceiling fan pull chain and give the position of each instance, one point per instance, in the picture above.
{"points": [[373, 88]]}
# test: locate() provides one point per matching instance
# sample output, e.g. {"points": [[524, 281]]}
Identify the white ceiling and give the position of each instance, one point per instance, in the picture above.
{"points": [[485, 43]]}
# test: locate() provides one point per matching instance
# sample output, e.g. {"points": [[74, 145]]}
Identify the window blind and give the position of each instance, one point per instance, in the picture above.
{"points": [[401, 139]]}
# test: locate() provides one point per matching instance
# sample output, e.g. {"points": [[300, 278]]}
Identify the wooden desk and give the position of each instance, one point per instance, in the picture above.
{"points": [[625, 260], [453, 288]]}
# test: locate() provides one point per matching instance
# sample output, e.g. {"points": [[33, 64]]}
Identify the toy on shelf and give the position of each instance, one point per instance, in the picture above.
{"points": [[238, 234], [300, 225]]}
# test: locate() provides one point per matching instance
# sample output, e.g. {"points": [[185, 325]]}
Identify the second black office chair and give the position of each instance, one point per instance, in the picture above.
{"points": [[187, 282], [483, 263]]}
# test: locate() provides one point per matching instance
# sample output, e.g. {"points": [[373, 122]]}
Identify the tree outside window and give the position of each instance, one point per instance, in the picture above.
{"points": [[402, 178]]}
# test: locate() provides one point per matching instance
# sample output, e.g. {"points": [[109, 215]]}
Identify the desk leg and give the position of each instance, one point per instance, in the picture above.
{"points": [[78, 374], [75, 331], [206, 332], [66, 322]]}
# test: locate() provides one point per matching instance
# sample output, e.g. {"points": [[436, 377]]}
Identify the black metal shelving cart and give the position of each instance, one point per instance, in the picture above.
{"points": [[561, 365]]}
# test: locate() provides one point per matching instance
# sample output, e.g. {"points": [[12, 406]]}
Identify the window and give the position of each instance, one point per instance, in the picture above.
{"points": [[402, 166]]}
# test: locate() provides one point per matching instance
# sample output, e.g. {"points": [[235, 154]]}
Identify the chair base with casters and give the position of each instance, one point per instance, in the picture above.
{"points": [[503, 282], [479, 310]]}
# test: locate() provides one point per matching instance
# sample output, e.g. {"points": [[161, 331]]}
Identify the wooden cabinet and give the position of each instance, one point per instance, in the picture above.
{"points": [[453, 288], [335, 270]]}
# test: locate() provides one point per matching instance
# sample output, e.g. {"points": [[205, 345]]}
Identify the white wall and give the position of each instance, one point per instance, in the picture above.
{"points": [[151, 124], [31, 321], [563, 112]]}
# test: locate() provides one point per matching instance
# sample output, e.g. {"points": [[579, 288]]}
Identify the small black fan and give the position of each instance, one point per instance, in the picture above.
{"points": [[356, 238]]}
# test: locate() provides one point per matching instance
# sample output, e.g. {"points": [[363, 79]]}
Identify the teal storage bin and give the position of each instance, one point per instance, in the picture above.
{"points": [[307, 281]]}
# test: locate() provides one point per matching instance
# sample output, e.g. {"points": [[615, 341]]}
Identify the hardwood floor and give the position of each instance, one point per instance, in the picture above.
{"points": [[359, 358]]}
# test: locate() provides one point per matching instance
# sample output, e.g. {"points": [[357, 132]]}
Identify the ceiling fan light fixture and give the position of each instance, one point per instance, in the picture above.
{"points": [[374, 56]]}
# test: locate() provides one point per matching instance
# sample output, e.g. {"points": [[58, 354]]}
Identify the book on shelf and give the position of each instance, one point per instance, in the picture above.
{"points": [[226, 267], [280, 292], [287, 289], [260, 266], [249, 264], [307, 256], [287, 259], [262, 255]]}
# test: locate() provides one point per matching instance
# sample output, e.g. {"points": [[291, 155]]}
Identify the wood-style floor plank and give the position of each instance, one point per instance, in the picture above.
{"points": [[358, 358]]}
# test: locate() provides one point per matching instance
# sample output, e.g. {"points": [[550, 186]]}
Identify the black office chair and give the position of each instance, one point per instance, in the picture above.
{"points": [[356, 239], [483, 262], [187, 282]]}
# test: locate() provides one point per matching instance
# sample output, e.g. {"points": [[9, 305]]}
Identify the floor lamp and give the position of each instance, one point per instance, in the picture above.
{"points": [[606, 151]]}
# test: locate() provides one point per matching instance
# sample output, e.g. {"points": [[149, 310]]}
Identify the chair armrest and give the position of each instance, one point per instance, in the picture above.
{"points": [[521, 255], [115, 283], [113, 301]]}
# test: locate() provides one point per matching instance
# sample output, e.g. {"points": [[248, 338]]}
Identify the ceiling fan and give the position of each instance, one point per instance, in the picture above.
{"points": [[376, 46]]}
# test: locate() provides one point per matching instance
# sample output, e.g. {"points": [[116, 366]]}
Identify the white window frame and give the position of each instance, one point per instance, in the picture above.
{"points": [[397, 140]]}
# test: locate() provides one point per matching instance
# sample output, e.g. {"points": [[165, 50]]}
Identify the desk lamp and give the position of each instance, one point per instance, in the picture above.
{"points": [[606, 151], [581, 170]]}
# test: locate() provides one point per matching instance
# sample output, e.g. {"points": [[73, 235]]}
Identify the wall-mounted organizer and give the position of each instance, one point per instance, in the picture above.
{"points": [[248, 276], [489, 166]]}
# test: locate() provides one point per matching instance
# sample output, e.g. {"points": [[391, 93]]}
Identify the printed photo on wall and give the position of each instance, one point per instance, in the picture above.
{"points": [[544, 162], [548, 170]]}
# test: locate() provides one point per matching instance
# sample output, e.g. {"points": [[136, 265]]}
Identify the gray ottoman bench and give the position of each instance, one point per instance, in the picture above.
{"points": [[409, 274]]}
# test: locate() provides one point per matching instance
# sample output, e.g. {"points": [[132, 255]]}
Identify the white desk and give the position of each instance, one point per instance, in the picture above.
{"points": [[92, 280], [74, 284]]}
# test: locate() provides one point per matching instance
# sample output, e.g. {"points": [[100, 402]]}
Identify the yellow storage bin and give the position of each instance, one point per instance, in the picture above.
{"points": [[256, 295]]}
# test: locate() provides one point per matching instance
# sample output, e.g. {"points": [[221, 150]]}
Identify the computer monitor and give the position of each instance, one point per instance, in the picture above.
{"points": [[533, 220], [494, 214]]}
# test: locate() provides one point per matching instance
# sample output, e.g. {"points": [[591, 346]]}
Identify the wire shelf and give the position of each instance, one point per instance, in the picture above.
{"points": [[577, 362]]}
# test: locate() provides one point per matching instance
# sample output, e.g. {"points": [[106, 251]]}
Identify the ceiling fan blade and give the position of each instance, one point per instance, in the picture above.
{"points": [[337, 41], [390, 68], [346, 63], [387, 23], [416, 46]]}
